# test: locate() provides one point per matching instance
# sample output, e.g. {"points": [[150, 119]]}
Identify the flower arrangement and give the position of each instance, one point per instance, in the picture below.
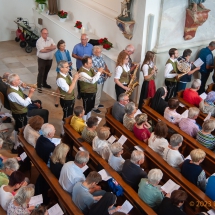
{"points": [[105, 43], [62, 14], [78, 24]]}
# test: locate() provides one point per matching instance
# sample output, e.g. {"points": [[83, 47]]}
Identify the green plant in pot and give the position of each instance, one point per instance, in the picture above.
{"points": [[41, 4]]}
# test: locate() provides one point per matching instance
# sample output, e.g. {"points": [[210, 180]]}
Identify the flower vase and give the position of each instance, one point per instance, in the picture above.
{"points": [[62, 19], [41, 7], [77, 30]]}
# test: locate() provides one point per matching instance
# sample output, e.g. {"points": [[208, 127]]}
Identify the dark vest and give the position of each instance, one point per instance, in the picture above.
{"points": [[125, 76], [175, 70], [203, 55]]}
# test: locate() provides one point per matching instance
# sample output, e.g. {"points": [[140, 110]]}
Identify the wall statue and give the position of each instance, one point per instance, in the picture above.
{"points": [[196, 3], [52, 7]]}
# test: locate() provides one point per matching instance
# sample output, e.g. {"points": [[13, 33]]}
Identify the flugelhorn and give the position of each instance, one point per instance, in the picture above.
{"points": [[103, 71]]}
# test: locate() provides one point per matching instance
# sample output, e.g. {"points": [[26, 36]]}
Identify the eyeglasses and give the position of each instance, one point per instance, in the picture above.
{"points": [[126, 100]]}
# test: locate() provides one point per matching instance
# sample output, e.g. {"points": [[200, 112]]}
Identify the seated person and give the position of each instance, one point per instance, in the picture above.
{"points": [[31, 130], [100, 143], [191, 95], [141, 127], [157, 141], [149, 191], [131, 170], [188, 125], [207, 105], [7, 192], [81, 195], [9, 166], [44, 146], [170, 112], [174, 204], [40, 210], [71, 172], [77, 122], [171, 154], [115, 160], [128, 119], [19, 204], [205, 137], [89, 131], [58, 158], [158, 102], [118, 109], [192, 170], [210, 187]]}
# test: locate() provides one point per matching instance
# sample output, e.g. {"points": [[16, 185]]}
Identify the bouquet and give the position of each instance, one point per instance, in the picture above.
{"points": [[78, 24], [105, 43], [62, 14]]}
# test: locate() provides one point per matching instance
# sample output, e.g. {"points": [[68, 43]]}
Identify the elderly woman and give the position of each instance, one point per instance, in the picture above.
{"points": [[89, 132], [31, 130], [207, 105], [141, 127], [205, 137], [157, 141], [192, 170], [9, 166], [149, 191], [128, 119], [58, 159], [115, 160], [170, 112], [19, 205], [100, 144]]}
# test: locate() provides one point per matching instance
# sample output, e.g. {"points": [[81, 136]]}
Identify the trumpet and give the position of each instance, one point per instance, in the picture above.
{"points": [[104, 71]]}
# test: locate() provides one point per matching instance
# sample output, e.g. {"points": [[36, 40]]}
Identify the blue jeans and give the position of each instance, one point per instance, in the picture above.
{"points": [[181, 86]]}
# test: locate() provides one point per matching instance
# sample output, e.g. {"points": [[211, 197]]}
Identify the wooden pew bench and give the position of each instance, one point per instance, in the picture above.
{"points": [[73, 138], [153, 160], [64, 197]]}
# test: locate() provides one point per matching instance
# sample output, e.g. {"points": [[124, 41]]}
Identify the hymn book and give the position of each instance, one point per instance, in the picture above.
{"points": [[170, 186], [23, 156], [36, 200], [126, 207], [104, 174], [198, 62], [122, 139], [55, 210]]}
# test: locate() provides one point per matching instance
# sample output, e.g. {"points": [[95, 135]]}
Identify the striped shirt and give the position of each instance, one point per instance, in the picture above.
{"points": [[98, 62], [207, 140]]}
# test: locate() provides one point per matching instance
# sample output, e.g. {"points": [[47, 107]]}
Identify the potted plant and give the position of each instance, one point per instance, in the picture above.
{"points": [[78, 26], [62, 15], [105, 43], [41, 4]]}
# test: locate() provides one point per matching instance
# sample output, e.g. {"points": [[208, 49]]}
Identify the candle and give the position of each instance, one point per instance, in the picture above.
{"points": [[83, 30]]}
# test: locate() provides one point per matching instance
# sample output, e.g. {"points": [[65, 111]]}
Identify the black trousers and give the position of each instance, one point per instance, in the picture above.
{"points": [[119, 90], [143, 94], [20, 120], [88, 101], [204, 78], [41, 112], [67, 106], [43, 69], [171, 88]]}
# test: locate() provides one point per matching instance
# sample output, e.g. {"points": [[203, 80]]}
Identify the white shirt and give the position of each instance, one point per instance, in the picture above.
{"points": [[41, 44], [146, 68], [116, 162], [70, 174], [62, 83], [173, 157], [15, 97], [119, 71], [87, 78], [157, 144], [5, 198], [31, 135], [169, 68]]}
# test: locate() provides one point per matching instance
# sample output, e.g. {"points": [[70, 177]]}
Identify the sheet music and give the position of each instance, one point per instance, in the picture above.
{"points": [[198, 62], [82, 149], [55, 210], [126, 207], [100, 119], [170, 186], [139, 148], [138, 112], [122, 139], [111, 139], [208, 116], [84, 168], [211, 212], [185, 114], [36, 200], [203, 96], [56, 141], [23, 156], [104, 174]]}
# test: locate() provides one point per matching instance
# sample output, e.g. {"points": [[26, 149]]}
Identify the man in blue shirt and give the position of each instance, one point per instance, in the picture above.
{"points": [[206, 56], [81, 50]]}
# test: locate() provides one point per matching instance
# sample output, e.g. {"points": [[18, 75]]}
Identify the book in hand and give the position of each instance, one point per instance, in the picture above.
{"points": [[122, 139], [198, 62], [111, 139], [23, 156], [55, 210], [104, 174], [203, 96], [170, 186], [126, 207], [56, 141], [211, 212], [185, 114], [138, 112], [36, 200], [84, 168]]}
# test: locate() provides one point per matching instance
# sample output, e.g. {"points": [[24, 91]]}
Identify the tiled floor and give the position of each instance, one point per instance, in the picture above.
{"points": [[14, 59]]}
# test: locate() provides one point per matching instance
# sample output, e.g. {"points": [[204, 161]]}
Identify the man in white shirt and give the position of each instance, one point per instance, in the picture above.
{"points": [[171, 154], [171, 71], [71, 173], [45, 52], [66, 85]]}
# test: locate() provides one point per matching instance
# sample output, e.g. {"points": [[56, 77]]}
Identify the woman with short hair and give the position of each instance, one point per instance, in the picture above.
{"points": [[128, 119], [149, 191], [58, 159], [100, 144], [141, 127], [31, 130], [208, 105], [157, 141]]}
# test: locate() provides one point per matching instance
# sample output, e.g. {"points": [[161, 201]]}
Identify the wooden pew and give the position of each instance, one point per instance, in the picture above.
{"points": [[153, 160], [189, 143], [130, 194], [63, 196]]}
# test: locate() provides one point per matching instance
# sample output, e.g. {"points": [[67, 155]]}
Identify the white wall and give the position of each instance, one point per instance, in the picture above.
{"points": [[9, 11]]}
